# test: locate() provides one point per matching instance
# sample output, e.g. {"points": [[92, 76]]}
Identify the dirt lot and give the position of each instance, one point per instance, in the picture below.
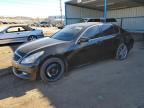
{"points": [[105, 84]]}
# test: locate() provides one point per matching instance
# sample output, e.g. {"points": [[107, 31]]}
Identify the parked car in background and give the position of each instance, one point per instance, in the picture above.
{"points": [[44, 24], [18, 33], [110, 20], [60, 26], [103, 20], [34, 25], [75, 45], [5, 22]]}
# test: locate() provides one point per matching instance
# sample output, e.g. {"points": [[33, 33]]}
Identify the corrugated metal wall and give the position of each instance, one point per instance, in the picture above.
{"points": [[74, 14], [132, 18], [128, 12]]}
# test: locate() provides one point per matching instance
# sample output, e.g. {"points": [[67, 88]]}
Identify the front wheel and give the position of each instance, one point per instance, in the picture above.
{"points": [[122, 52], [52, 70], [32, 38]]}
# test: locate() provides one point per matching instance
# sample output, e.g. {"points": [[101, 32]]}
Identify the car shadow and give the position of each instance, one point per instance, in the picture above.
{"points": [[89, 64]]}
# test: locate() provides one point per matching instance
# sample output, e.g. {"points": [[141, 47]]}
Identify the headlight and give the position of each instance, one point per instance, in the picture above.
{"points": [[32, 58]]}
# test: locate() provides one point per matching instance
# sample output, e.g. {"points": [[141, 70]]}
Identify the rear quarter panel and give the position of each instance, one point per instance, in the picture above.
{"points": [[35, 33]]}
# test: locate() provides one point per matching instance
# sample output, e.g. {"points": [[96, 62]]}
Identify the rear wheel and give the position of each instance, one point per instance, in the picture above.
{"points": [[32, 38], [122, 52], [52, 70]]}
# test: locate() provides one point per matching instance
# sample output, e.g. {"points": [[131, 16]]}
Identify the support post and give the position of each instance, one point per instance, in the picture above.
{"points": [[105, 10]]}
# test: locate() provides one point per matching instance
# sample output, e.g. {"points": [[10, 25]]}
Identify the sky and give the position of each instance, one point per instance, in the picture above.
{"points": [[31, 8]]}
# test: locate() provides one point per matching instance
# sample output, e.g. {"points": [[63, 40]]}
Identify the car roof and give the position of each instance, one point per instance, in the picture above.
{"points": [[13, 25], [88, 24], [100, 20], [4, 27], [16, 25]]}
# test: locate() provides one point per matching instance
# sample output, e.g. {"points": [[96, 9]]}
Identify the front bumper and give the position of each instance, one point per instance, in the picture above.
{"points": [[25, 71]]}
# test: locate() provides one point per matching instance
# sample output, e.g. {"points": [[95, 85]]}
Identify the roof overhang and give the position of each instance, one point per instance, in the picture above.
{"points": [[112, 4]]}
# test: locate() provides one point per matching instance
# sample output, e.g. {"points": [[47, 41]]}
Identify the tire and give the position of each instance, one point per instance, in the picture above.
{"points": [[121, 52], [32, 38], [52, 70]]}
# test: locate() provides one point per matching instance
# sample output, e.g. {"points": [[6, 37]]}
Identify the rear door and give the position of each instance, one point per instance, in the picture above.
{"points": [[25, 32], [109, 36]]}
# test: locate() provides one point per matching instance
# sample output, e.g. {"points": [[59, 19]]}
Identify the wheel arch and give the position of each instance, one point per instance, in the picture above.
{"points": [[52, 56], [130, 43], [32, 35]]}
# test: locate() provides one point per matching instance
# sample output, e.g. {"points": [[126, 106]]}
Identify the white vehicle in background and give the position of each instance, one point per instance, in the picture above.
{"points": [[44, 24], [18, 33]]}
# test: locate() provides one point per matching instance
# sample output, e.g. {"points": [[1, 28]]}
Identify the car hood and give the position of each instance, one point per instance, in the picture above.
{"points": [[38, 44]]}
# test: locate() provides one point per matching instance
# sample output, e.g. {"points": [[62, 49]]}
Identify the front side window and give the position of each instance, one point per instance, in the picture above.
{"points": [[2, 28], [15, 29], [92, 33]]}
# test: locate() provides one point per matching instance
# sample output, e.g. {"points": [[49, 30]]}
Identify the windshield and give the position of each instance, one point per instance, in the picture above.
{"points": [[2, 28], [68, 33]]}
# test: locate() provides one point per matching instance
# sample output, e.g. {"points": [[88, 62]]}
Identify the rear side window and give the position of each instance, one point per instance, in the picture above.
{"points": [[27, 28], [92, 33], [107, 30]]}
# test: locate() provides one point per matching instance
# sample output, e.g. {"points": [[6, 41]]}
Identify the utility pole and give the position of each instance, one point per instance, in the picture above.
{"points": [[61, 11]]}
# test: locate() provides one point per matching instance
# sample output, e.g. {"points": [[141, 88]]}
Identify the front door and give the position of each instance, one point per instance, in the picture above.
{"points": [[94, 47], [90, 49]]}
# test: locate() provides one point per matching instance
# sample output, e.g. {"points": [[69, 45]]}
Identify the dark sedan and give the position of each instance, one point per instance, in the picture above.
{"points": [[74, 45]]}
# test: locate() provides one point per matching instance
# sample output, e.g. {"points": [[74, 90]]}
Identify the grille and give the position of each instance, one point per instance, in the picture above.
{"points": [[16, 57]]}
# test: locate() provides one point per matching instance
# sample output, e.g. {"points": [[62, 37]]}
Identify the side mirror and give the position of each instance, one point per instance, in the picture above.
{"points": [[82, 40]]}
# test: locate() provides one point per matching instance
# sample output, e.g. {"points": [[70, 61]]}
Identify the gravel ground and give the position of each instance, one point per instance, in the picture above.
{"points": [[105, 84]]}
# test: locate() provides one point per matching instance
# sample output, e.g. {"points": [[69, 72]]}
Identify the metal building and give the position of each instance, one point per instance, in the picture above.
{"points": [[129, 13]]}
